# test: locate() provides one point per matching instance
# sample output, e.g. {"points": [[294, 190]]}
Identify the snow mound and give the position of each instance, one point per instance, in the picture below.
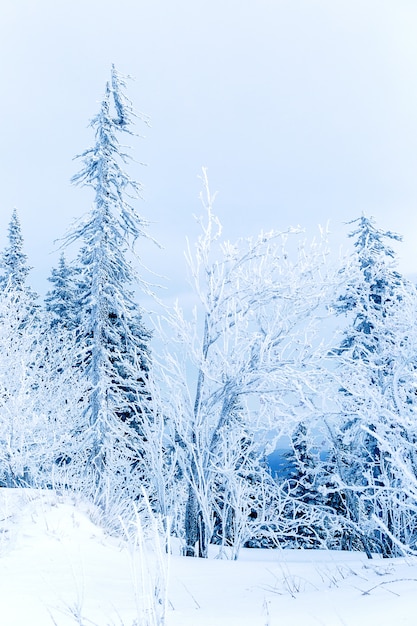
{"points": [[57, 566], [28, 515]]}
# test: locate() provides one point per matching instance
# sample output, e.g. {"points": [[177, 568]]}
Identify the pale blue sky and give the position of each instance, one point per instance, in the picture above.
{"points": [[303, 111]]}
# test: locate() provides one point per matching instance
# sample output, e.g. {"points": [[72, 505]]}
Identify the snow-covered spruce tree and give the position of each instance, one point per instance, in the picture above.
{"points": [[112, 338], [33, 417], [14, 266], [366, 364], [383, 490], [13, 260], [18, 337], [61, 301], [251, 344]]}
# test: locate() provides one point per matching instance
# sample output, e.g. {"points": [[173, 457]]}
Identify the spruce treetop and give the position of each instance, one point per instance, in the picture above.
{"points": [[372, 243], [103, 168]]}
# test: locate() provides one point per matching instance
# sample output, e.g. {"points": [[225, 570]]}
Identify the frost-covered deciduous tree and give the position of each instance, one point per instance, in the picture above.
{"points": [[241, 485], [114, 342], [20, 428], [251, 344]]}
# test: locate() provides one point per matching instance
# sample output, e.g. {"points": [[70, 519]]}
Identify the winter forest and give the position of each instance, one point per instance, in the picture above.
{"points": [[279, 413]]}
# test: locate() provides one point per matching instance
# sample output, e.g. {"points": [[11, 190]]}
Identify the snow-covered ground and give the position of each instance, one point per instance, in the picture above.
{"points": [[59, 567]]}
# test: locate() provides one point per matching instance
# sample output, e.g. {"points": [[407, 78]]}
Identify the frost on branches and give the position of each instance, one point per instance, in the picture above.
{"points": [[282, 347], [246, 369]]}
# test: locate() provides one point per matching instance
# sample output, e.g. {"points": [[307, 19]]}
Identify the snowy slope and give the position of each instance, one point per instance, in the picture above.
{"points": [[58, 567]]}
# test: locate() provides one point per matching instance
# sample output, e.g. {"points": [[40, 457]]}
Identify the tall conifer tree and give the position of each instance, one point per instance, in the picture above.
{"points": [[366, 362], [114, 340]]}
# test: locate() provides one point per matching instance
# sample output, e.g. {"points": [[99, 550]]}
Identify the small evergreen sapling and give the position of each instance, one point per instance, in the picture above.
{"points": [[61, 300]]}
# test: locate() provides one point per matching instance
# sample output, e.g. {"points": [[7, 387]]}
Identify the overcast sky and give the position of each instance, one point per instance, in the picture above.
{"points": [[303, 111]]}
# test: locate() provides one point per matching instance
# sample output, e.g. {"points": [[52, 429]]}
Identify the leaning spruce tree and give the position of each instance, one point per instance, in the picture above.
{"points": [[114, 351]]}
